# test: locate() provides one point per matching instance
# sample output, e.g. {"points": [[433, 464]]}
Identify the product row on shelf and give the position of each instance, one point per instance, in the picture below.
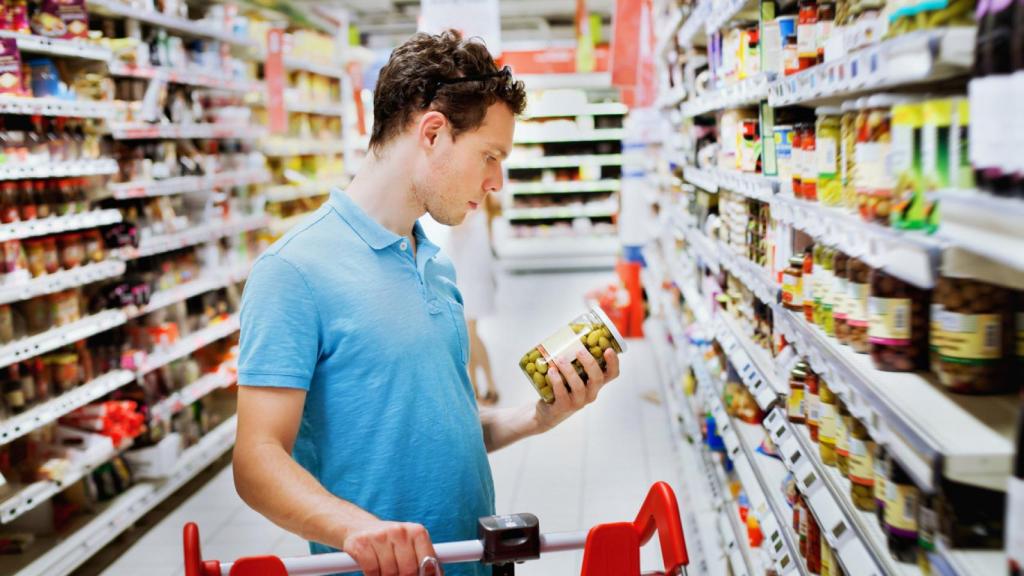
{"points": [[561, 200]]}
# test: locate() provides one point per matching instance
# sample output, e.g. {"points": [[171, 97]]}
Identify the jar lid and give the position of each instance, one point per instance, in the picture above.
{"points": [[848, 106], [828, 111], [782, 128], [887, 100], [797, 261], [611, 327]]}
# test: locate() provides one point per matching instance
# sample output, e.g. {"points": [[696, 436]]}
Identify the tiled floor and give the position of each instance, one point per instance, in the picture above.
{"points": [[594, 468]]}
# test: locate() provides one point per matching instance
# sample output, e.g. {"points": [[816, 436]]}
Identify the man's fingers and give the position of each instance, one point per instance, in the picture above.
{"points": [[595, 377], [578, 390], [424, 547], [611, 360], [557, 383]]}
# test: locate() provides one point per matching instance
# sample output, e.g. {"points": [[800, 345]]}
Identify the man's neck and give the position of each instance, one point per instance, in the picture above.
{"points": [[383, 190]]}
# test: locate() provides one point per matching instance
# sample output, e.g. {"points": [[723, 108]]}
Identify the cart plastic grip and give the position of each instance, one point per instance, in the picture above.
{"points": [[660, 511], [194, 564]]}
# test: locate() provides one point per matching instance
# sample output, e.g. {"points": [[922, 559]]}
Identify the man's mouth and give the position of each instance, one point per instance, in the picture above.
{"points": [[473, 205]]}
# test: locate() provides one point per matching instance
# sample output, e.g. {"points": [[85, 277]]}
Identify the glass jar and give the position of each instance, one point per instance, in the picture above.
{"points": [[6, 324], [807, 34], [44, 199], [591, 332], [798, 161], [873, 148], [813, 404], [783, 135], [840, 261], [35, 251], [796, 408], [827, 423], [809, 173], [803, 526], [9, 202], [94, 248], [27, 206], [898, 329], [820, 283], [51, 254], [826, 143], [72, 250], [858, 285], [847, 162], [844, 420], [826, 19], [828, 302], [901, 505], [974, 340], [881, 462], [792, 285], [809, 280], [862, 468]]}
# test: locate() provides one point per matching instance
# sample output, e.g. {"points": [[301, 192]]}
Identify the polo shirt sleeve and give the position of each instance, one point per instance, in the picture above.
{"points": [[280, 336]]}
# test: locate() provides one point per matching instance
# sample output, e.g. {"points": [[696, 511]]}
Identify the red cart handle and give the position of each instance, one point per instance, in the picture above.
{"points": [[610, 549]]}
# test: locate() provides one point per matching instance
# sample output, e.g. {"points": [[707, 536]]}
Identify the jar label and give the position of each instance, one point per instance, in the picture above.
{"points": [[827, 426], [862, 470], [880, 480], [562, 345], [813, 409], [971, 336], [828, 300], [839, 306], [828, 157], [791, 290], [935, 335], [1015, 521], [857, 304], [795, 404], [842, 437], [901, 509], [806, 40], [889, 322], [870, 166]]}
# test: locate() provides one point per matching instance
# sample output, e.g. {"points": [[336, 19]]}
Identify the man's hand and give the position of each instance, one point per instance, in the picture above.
{"points": [[388, 548], [570, 400]]}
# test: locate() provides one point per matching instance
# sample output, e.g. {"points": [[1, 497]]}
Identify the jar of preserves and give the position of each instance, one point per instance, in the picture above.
{"points": [[862, 468], [847, 162], [798, 161], [809, 172], [796, 408], [840, 261], [898, 328], [826, 143], [901, 504], [873, 147], [858, 286], [783, 134], [881, 462], [792, 284], [826, 19], [974, 339], [828, 283], [807, 34], [844, 420], [827, 428], [809, 281], [813, 404]]}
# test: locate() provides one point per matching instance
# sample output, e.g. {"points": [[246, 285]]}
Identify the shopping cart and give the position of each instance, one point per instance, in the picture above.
{"points": [[608, 549]]}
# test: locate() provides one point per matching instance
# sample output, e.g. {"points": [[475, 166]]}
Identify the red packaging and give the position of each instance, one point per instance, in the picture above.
{"points": [[61, 19]]}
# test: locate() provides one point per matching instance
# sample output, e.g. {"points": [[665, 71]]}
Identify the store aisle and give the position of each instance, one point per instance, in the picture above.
{"points": [[595, 468]]}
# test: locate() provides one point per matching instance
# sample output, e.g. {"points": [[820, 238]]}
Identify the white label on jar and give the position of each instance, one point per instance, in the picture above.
{"points": [[806, 40], [562, 345], [1015, 522], [870, 165], [1003, 135], [809, 281], [813, 408], [824, 30], [827, 157], [901, 156], [839, 307]]}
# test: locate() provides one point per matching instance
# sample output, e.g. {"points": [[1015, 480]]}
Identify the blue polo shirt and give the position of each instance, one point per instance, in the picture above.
{"points": [[340, 307]]}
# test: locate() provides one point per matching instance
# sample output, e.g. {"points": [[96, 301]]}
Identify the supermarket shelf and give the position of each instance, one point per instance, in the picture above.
{"points": [[297, 147], [194, 76], [60, 336], [184, 184], [55, 107], [600, 135], [598, 109], [60, 281], [319, 108], [60, 169], [58, 224], [720, 14], [753, 186], [667, 30], [931, 432], [921, 56], [330, 70], [747, 92], [751, 362], [984, 225], [34, 44], [542, 253], [969, 562], [318, 187], [564, 161], [560, 213], [192, 393], [60, 556], [183, 26], [755, 277], [51, 410], [693, 28], [191, 343], [144, 131], [206, 283], [577, 80], [564, 187], [672, 99], [198, 235], [36, 493], [909, 255]]}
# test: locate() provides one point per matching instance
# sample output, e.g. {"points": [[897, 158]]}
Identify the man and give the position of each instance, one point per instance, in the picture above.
{"points": [[354, 347]]}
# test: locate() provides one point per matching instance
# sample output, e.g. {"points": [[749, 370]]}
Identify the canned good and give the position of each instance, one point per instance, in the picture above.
{"points": [[591, 332]]}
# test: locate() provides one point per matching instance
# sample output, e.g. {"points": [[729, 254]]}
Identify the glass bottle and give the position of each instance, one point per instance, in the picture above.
{"points": [[792, 285], [901, 504], [809, 280], [813, 405], [827, 423], [844, 421], [795, 405], [862, 469]]}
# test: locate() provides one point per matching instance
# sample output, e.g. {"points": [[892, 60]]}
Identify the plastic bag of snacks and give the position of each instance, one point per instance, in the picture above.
{"points": [[591, 332]]}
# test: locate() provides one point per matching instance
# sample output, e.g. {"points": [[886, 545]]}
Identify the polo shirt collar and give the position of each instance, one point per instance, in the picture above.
{"points": [[372, 232]]}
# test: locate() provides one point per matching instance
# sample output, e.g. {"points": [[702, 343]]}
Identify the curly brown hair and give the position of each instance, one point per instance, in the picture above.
{"points": [[414, 78]]}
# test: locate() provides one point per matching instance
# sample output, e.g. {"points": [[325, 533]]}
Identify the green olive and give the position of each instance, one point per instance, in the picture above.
{"points": [[596, 352], [542, 366], [604, 343], [607, 333], [547, 393], [539, 379], [534, 355], [531, 368], [593, 338]]}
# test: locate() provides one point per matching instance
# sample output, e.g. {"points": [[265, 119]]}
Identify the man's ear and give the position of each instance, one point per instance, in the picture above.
{"points": [[431, 125]]}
